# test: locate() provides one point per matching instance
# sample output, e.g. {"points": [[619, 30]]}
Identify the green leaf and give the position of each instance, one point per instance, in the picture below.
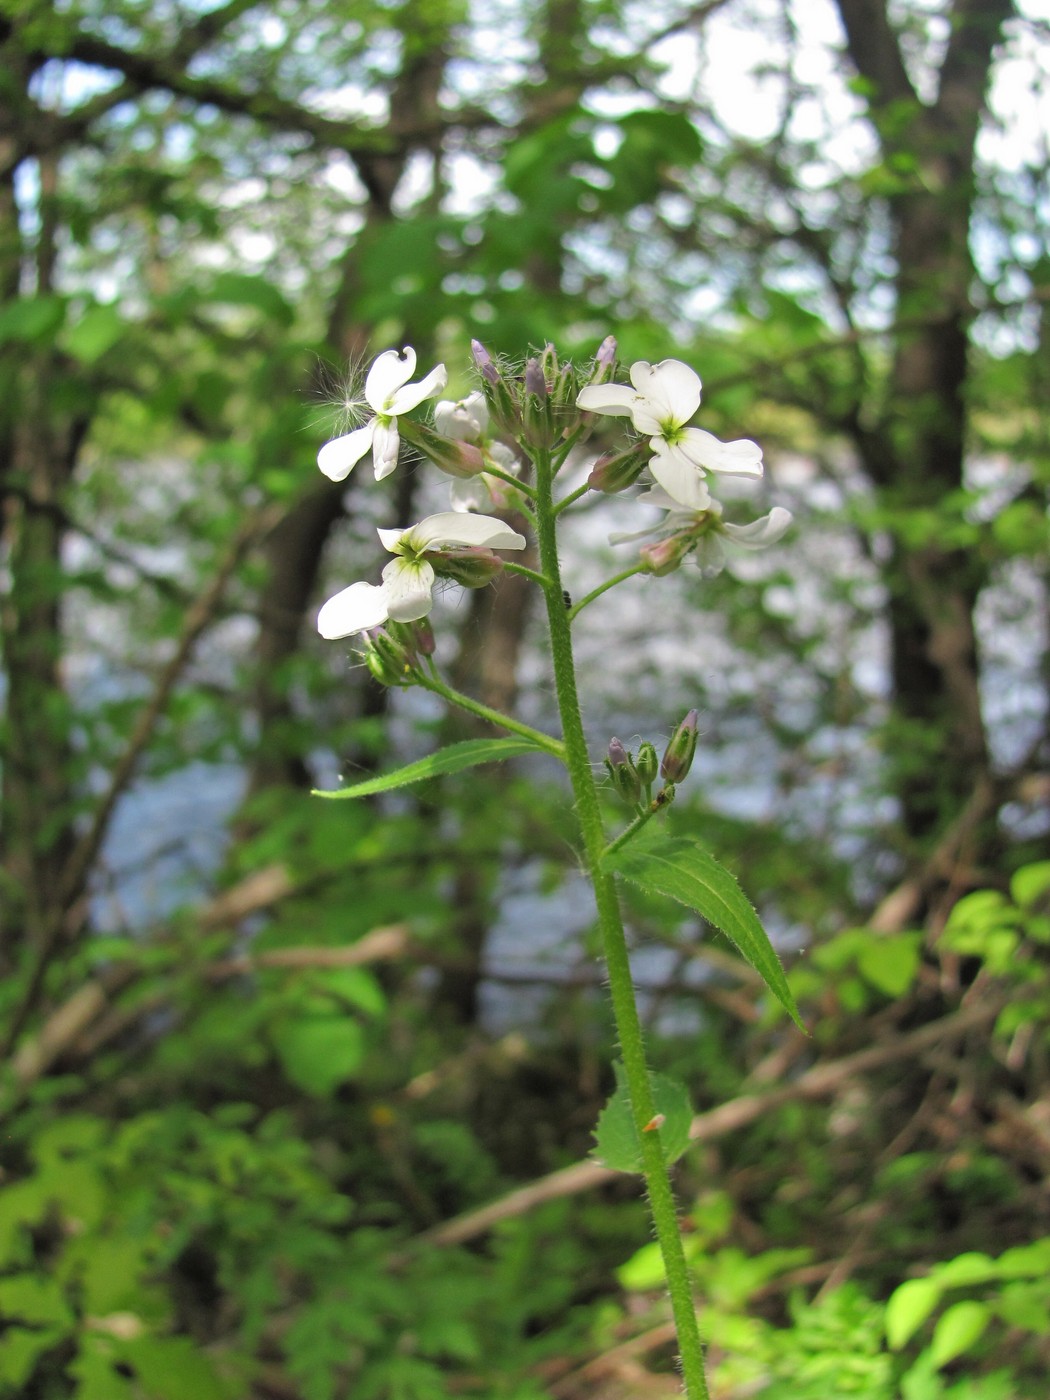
{"points": [[618, 1145], [93, 333], [908, 1308], [31, 319], [247, 289], [452, 759], [1030, 882], [958, 1330], [319, 1052], [684, 871], [172, 1368], [890, 964]]}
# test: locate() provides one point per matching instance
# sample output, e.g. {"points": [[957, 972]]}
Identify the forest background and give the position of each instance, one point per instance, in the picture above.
{"points": [[299, 1096]]}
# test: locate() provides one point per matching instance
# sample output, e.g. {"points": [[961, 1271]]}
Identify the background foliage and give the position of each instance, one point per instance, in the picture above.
{"points": [[269, 1059]]}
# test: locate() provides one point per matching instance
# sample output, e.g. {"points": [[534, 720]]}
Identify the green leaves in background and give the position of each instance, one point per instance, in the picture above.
{"points": [[618, 1144], [452, 759], [684, 871]]}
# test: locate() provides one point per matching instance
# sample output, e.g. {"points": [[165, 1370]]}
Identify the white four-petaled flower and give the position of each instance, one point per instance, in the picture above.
{"points": [[408, 580], [660, 404], [700, 535], [388, 393]]}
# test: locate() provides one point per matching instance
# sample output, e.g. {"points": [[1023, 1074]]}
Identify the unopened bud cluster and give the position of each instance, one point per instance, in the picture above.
{"points": [[633, 777], [537, 407], [393, 652]]}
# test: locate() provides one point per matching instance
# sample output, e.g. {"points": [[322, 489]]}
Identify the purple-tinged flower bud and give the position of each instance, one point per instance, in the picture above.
{"points": [[620, 767], [503, 404], [606, 356], [416, 638], [483, 360], [423, 636], [664, 556], [535, 380], [537, 416], [453, 456], [616, 471], [678, 757], [473, 567]]}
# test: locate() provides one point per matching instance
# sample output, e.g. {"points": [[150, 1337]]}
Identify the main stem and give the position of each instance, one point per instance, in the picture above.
{"points": [[614, 943]]}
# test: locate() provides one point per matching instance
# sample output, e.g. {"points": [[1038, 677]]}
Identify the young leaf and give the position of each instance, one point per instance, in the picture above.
{"points": [[908, 1308], [618, 1145], [958, 1330], [684, 871], [452, 759]]}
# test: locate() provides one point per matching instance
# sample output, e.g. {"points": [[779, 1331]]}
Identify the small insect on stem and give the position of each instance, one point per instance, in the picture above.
{"points": [[655, 1123], [566, 598]]}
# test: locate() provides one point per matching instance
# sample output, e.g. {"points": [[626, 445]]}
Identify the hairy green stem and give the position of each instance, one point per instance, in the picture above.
{"points": [[437, 686], [659, 803], [621, 984], [604, 588], [510, 568]]}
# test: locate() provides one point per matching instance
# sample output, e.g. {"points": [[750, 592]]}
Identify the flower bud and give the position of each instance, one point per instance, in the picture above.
{"points": [[416, 638], [664, 556], [617, 754], [390, 662], [473, 567], [605, 358], [537, 416], [678, 757], [501, 401], [483, 360], [647, 763], [616, 471], [620, 767], [452, 456]]}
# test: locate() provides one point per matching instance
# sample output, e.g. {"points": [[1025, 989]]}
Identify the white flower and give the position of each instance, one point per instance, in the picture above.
{"points": [[660, 405], [701, 535], [467, 420], [408, 580], [388, 393]]}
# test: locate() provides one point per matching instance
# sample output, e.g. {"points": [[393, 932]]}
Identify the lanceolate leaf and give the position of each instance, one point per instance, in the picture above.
{"points": [[684, 871], [449, 760]]}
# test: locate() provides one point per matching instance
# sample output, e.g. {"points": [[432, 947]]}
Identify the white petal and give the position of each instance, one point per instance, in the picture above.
{"points": [[451, 528], [470, 493], [616, 399], [671, 390], [678, 476], [355, 609], [704, 450], [413, 394], [465, 421], [338, 458], [390, 538], [407, 587], [759, 533], [709, 554], [656, 497], [389, 371], [386, 443]]}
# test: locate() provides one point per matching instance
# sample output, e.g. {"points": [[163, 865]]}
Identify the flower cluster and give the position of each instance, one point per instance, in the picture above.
{"points": [[544, 408], [660, 401]]}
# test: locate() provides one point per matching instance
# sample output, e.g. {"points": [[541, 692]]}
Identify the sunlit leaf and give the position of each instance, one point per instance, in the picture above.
{"points": [[452, 759], [684, 871]]}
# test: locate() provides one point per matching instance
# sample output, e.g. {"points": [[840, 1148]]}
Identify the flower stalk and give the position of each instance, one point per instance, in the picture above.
{"points": [[614, 942]]}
